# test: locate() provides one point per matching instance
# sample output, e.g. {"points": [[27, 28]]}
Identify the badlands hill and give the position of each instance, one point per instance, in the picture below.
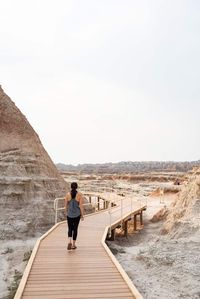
{"points": [[29, 181]]}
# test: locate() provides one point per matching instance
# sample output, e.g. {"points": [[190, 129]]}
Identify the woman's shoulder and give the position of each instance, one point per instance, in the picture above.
{"points": [[68, 195], [79, 195]]}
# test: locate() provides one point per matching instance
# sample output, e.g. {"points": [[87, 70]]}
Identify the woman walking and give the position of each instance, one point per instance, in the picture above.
{"points": [[74, 211]]}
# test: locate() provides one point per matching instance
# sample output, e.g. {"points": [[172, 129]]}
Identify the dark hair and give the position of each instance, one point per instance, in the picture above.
{"points": [[74, 186]]}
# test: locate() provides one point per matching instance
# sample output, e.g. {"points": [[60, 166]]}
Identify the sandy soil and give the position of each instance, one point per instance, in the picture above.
{"points": [[14, 255], [159, 265]]}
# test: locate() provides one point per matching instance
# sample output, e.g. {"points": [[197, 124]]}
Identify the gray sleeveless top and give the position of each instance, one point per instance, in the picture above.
{"points": [[73, 209]]}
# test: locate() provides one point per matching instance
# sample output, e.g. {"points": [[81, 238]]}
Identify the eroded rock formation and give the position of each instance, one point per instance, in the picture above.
{"points": [[29, 181], [183, 218]]}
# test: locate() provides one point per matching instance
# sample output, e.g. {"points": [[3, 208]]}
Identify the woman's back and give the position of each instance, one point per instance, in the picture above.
{"points": [[73, 207]]}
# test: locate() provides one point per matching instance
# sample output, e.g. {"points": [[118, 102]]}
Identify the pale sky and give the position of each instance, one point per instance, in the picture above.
{"points": [[105, 80]]}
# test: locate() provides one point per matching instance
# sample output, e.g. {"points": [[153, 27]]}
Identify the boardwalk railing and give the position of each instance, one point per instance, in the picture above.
{"points": [[57, 208], [116, 203], [128, 208], [95, 199]]}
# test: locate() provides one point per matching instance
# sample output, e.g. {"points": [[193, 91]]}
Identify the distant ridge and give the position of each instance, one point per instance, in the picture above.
{"points": [[129, 166]]}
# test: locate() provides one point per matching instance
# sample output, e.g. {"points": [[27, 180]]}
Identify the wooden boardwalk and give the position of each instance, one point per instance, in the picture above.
{"points": [[90, 271]]}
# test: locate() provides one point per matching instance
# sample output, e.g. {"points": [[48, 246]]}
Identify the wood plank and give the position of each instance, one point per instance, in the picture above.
{"points": [[77, 291], [82, 296], [33, 282], [78, 284]]}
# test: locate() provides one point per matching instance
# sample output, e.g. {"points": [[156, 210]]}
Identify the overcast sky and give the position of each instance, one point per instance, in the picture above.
{"points": [[105, 80]]}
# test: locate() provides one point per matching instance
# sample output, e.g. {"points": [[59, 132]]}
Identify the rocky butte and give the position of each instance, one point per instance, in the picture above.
{"points": [[29, 180]]}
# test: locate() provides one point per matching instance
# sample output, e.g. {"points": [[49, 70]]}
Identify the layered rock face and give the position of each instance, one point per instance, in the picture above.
{"points": [[29, 181], [183, 219]]}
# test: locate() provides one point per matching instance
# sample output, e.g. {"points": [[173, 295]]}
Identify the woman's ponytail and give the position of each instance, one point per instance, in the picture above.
{"points": [[74, 186]]}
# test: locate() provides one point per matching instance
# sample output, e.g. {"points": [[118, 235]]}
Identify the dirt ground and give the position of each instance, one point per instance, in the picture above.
{"points": [[14, 255]]}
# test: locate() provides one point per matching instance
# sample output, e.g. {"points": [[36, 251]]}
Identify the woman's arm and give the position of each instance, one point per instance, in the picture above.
{"points": [[66, 203], [81, 205]]}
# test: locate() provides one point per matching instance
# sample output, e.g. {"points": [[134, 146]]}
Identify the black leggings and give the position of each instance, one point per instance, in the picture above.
{"points": [[73, 226]]}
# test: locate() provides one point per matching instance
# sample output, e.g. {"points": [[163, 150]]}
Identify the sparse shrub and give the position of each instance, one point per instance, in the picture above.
{"points": [[7, 250], [14, 284], [27, 255]]}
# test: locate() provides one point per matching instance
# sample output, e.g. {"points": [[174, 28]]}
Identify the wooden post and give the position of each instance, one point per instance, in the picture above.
{"points": [[104, 204], [112, 237], [90, 199], [98, 203], [126, 228], [135, 222], [141, 219]]}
